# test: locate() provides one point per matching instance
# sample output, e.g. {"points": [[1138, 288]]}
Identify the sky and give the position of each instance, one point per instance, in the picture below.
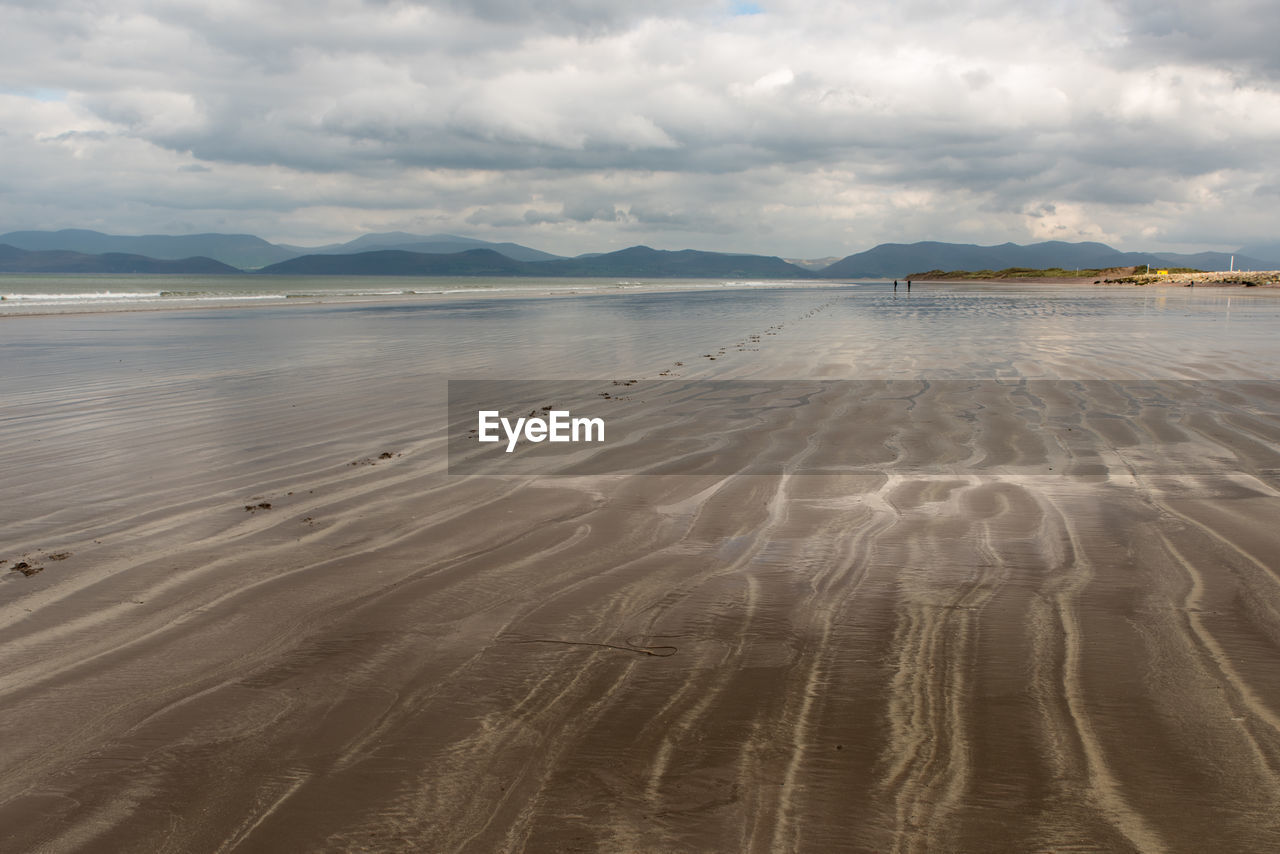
{"points": [[799, 128]]}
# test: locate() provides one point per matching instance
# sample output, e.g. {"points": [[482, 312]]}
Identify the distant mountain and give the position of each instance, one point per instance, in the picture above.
{"points": [[898, 260], [1200, 260], [1268, 253], [389, 239], [15, 260], [434, 244], [1210, 261], [889, 260], [237, 250], [636, 261], [512, 250], [813, 264], [397, 262], [455, 255], [658, 263], [249, 252]]}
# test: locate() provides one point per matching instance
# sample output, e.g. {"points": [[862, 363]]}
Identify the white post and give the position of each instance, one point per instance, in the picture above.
{"points": [[1233, 264]]}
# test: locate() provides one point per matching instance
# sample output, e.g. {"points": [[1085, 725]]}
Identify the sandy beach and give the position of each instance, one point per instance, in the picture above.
{"points": [[1009, 580]]}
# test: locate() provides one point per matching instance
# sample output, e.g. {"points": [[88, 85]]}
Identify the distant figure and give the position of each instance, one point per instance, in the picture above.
{"points": [[908, 286], [895, 286]]}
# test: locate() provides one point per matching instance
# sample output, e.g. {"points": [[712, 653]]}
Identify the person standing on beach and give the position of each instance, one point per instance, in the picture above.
{"points": [[895, 286], [908, 286]]}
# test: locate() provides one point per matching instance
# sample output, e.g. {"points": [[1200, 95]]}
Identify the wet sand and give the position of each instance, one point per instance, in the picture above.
{"points": [[389, 657]]}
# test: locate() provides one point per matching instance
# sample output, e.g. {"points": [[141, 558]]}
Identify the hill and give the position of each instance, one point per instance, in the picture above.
{"points": [[249, 252], [1268, 253], [898, 260], [434, 244], [15, 260], [635, 261], [236, 250], [397, 262], [813, 265], [888, 260], [686, 263]]}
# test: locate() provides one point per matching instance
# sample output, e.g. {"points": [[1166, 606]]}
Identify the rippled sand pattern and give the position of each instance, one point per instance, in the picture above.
{"points": [[266, 619]]}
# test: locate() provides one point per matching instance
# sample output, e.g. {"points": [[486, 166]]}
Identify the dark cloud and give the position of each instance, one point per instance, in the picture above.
{"points": [[1239, 35]]}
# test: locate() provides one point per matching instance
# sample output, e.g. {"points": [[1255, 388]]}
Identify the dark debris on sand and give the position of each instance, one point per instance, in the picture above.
{"points": [[370, 461], [26, 569]]}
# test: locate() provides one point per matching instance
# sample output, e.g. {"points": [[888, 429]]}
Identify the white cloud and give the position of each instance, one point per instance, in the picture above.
{"points": [[594, 124]]}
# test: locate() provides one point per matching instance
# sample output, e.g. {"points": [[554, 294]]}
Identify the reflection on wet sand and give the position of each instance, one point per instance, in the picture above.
{"points": [[270, 620]]}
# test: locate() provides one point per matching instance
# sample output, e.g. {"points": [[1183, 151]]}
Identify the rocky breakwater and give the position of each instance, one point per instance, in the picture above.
{"points": [[1219, 279]]}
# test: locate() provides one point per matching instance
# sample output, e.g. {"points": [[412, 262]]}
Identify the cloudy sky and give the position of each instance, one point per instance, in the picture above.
{"points": [[801, 128]]}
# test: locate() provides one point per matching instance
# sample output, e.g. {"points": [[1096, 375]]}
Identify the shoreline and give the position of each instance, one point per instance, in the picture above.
{"points": [[1268, 279], [410, 297], [487, 294]]}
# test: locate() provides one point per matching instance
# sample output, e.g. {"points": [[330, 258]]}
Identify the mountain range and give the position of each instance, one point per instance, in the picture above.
{"points": [[400, 253], [635, 261], [434, 244], [247, 252], [243, 251], [14, 260], [890, 260]]}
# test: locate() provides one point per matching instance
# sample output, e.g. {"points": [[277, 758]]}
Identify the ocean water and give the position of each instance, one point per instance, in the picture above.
{"points": [[79, 328], [89, 393], [44, 293]]}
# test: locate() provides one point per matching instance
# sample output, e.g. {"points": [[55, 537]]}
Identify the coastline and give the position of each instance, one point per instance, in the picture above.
{"points": [[413, 290], [1268, 279], [418, 291]]}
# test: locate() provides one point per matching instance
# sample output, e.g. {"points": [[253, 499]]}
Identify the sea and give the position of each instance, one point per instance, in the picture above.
{"points": [[46, 293]]}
